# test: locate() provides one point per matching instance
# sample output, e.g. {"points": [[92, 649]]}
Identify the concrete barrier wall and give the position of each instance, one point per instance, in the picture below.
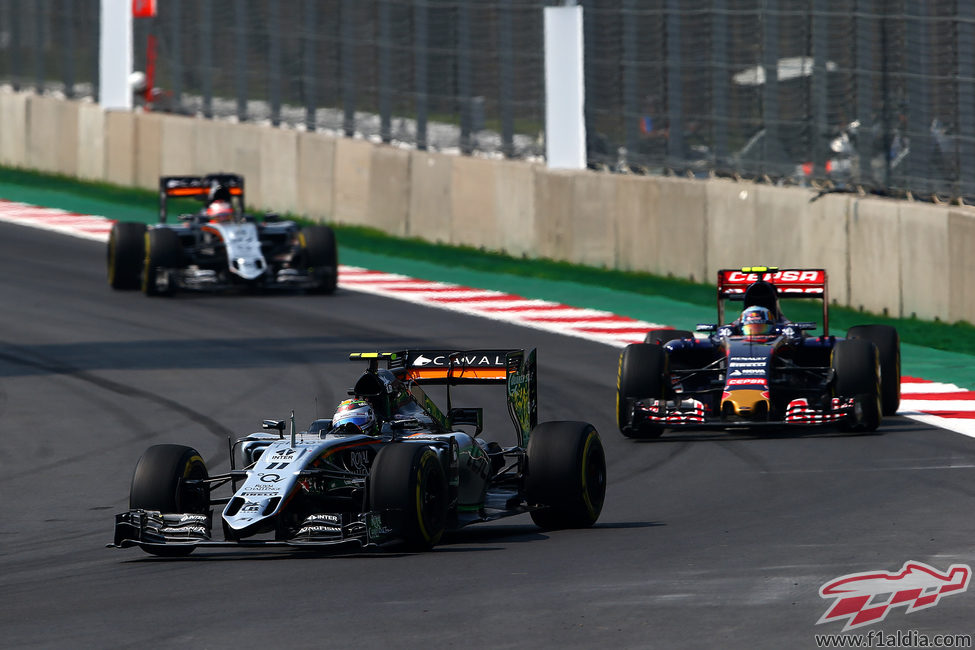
{"points": [[43, 124], [874, 256], [13, 129], [120, 147], [431, 181], [316, 171], [923, 245], [66, 152], [514, 204], [473, 206], [899, 257], [389, 190], [90, 148], [278, 174], [353, 163], [959, 267], [148, 150]]}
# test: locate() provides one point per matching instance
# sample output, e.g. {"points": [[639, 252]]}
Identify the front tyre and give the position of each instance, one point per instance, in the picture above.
{"points": [[125, 253], [320, 254], [162, 251], [857, 368], [888, 345], [566, 473], [160, 483], [407, 484], [640, 376]]}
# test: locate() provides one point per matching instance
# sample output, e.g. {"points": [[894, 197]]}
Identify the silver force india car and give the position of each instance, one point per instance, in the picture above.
{"points": [[390, 468], [761, 368], [219, 246]]}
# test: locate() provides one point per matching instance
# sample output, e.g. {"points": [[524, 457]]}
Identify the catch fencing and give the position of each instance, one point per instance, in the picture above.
{"points": [[872, 95]]}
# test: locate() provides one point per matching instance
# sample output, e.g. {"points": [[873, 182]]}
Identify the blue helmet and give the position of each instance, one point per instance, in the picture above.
{"points": [[756, 321]]}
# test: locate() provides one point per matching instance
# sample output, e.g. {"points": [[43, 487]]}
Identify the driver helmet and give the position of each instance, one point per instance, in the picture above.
{"points": [[220, 211], [756, 321], [357, 412]]}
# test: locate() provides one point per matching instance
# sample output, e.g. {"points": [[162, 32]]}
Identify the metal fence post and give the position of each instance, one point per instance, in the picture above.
{"points": [[274, 60], [675, 91], [719, 81], [464, 74], [240, 57], [420, 73], [176, 50], [966, 98], [206, 35], [506, 80], [820, 86], [772, 155], [38, 9], [631, 105], [70, 47], [919, 168], [348, 38], [309, 67], [865, 30], [385, 76]]}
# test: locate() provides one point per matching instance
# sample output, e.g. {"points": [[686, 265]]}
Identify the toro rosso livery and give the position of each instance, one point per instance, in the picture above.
{"points": [[760, 368], [219, 246], [389, 468]]}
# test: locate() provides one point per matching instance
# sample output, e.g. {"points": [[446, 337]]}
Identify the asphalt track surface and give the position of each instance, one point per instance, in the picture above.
{"points": [[706, 540]]}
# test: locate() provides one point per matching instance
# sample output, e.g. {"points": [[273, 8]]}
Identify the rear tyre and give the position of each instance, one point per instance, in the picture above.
{"points": [[125, 253], [857, 368], [408, 481], [159, 483], [566, 473], [641, 375], [661, 336], [321, 257], [888, 345], [162, 251]]}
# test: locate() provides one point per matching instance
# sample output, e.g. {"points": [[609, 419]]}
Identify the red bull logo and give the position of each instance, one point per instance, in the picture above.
{"points": [[867, 598]]}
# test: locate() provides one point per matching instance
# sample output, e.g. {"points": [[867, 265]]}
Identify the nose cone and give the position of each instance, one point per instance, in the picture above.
{"points": [[745, 403]]}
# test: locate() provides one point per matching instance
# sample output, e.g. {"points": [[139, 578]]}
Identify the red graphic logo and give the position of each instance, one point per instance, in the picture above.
{"points": [[866, 598]]}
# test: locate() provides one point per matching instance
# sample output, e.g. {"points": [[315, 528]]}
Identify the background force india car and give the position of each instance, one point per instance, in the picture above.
{"points": [[783, 377], [219, 249], [419, 475]]}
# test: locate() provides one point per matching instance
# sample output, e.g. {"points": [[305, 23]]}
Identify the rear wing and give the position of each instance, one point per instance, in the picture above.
{"points": [[199, 187], [789, 283], [515, 369]]}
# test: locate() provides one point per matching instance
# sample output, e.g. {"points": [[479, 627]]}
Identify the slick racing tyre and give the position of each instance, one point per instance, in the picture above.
{"points": [[641, 375], [888, 345], [126, 248], [162, 251], [407, 484], [321, 257], [159, 483], [857, 368], [662, 336], [566, 473]]}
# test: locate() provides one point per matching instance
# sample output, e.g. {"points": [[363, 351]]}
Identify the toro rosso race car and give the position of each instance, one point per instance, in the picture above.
{"points": [[219, 246], [389, 468], [761, 368]]}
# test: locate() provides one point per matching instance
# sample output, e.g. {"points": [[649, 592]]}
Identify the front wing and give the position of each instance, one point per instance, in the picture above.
{"points": [[694, 413], [155, 529]]}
